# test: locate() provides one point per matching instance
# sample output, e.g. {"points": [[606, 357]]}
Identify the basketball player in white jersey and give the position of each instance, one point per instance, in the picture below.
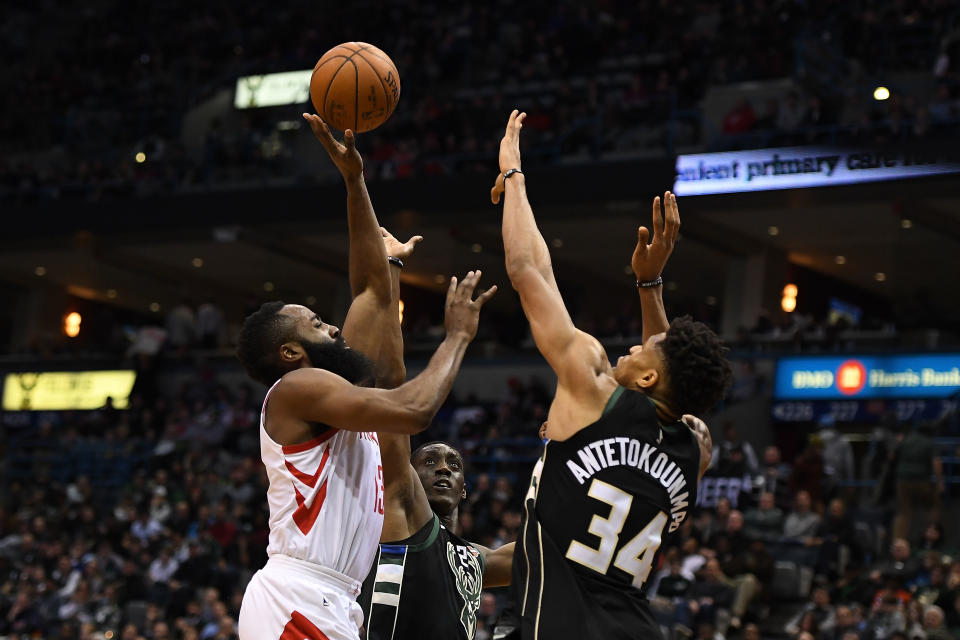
{"points": [[318, 424]]}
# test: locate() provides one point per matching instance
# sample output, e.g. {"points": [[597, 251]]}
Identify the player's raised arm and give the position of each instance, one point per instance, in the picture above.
{"points": [[648, 262], [649, 259], [405, 504], [531, 273], [319, 396], [369, 270]]}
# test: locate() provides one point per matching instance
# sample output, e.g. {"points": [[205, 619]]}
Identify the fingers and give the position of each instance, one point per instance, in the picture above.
{"points": [[497, 190], [465, 290], [486, 295], [672, 215], [322, 132], [643, 236], [413, 242], [515, 123], [451, 291], [384, 233], [349, 140], [657, 218]]}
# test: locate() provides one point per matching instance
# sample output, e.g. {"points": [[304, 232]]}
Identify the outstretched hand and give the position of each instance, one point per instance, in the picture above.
{"points": [[649, 259], [345, 154], [509, 153], [462, 311], [397, 249]]}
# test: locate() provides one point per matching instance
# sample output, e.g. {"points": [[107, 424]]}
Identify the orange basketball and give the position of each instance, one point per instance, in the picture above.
{"points": [[355, 86]]}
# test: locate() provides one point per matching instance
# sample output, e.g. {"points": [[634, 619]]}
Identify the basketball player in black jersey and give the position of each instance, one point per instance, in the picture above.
{"points": [[426, 581], [620, 469]]}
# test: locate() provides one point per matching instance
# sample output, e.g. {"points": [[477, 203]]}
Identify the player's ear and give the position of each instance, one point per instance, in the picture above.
{"points": [[648, 379], [291, 352], [463, 493]]}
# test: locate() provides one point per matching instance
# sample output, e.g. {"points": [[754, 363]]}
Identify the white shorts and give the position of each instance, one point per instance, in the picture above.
{"points": [[291, 599]]}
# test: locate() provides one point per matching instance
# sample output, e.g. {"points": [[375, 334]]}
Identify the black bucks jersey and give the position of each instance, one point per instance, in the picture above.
{"points": [[426, 587], [599, 506]]}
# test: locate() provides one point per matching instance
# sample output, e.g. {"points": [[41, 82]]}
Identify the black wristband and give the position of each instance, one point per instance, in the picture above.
{"points": [[651, 284], [510, 172], [396, 261]]}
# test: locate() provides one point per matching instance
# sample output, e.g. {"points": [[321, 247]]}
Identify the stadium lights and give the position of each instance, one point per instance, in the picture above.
{"points": [[906, 223], [880, 276], [71, 324], [789, 300], [141, 157], [840, 260], [881, 93]]}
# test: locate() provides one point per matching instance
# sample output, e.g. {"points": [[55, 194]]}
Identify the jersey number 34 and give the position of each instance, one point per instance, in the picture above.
{"points": [[636, 556]]}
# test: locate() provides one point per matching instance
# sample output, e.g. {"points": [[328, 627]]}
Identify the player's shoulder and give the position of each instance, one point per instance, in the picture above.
{"points": [[306, 380]]}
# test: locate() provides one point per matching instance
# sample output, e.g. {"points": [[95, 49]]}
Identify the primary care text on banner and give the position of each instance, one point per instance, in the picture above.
{"points": [[794, 167]]}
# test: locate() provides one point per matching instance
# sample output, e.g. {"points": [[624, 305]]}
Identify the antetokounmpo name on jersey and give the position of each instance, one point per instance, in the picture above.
{"points": [[613, 452]]}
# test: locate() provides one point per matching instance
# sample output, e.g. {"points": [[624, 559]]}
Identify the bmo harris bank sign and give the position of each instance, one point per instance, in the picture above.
{"points": [[796, 167], [854, 377]]}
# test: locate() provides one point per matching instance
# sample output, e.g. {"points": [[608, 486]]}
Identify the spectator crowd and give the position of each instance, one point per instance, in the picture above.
{"points": [[148, 522], [99, 82]]}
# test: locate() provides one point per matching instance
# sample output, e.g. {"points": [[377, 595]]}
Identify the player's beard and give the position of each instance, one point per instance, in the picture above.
{"points": [[337, 358]]}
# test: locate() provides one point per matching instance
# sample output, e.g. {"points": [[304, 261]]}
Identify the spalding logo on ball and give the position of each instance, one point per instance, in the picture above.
{"points": [[355, 86]]}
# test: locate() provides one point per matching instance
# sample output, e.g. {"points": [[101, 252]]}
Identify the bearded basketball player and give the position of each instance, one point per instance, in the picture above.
{"points": [[318, 424], [620, 469]]}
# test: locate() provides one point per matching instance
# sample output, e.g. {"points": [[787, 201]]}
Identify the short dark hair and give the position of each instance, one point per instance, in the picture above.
{"points": [[261, 336], [413, 454], [697, 366]]}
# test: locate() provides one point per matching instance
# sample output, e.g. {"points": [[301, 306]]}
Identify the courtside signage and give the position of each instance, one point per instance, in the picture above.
{"points": [[850, 377], [273, 89], [66, 390], [794, 167]]}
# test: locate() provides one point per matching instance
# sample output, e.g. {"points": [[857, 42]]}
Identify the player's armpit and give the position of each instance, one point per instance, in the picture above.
{"points": [[498, 565], [699, 428], [406, 508], [317, 395]]}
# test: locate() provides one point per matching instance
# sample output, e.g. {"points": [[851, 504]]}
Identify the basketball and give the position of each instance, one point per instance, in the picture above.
{"points": [[355, 86]]}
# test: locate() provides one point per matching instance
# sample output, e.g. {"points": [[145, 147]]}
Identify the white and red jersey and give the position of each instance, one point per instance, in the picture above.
{"points": [[326, 499]]}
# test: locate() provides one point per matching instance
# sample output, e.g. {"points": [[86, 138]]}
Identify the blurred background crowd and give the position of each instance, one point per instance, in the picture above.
{"points": [[147, 522]]}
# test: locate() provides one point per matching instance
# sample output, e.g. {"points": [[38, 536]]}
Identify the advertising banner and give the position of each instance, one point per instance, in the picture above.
{"points": [[66, 390], [880, 376], [795, 167]]}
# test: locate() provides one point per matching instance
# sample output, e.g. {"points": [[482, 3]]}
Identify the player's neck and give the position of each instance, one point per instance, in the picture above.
{"points": [[665, 413], [449, 520]]}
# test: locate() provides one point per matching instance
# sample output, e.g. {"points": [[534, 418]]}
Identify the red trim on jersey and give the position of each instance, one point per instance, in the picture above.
{"points": [[305, 516], [299, 628], [310, 444], [306, 478]]}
